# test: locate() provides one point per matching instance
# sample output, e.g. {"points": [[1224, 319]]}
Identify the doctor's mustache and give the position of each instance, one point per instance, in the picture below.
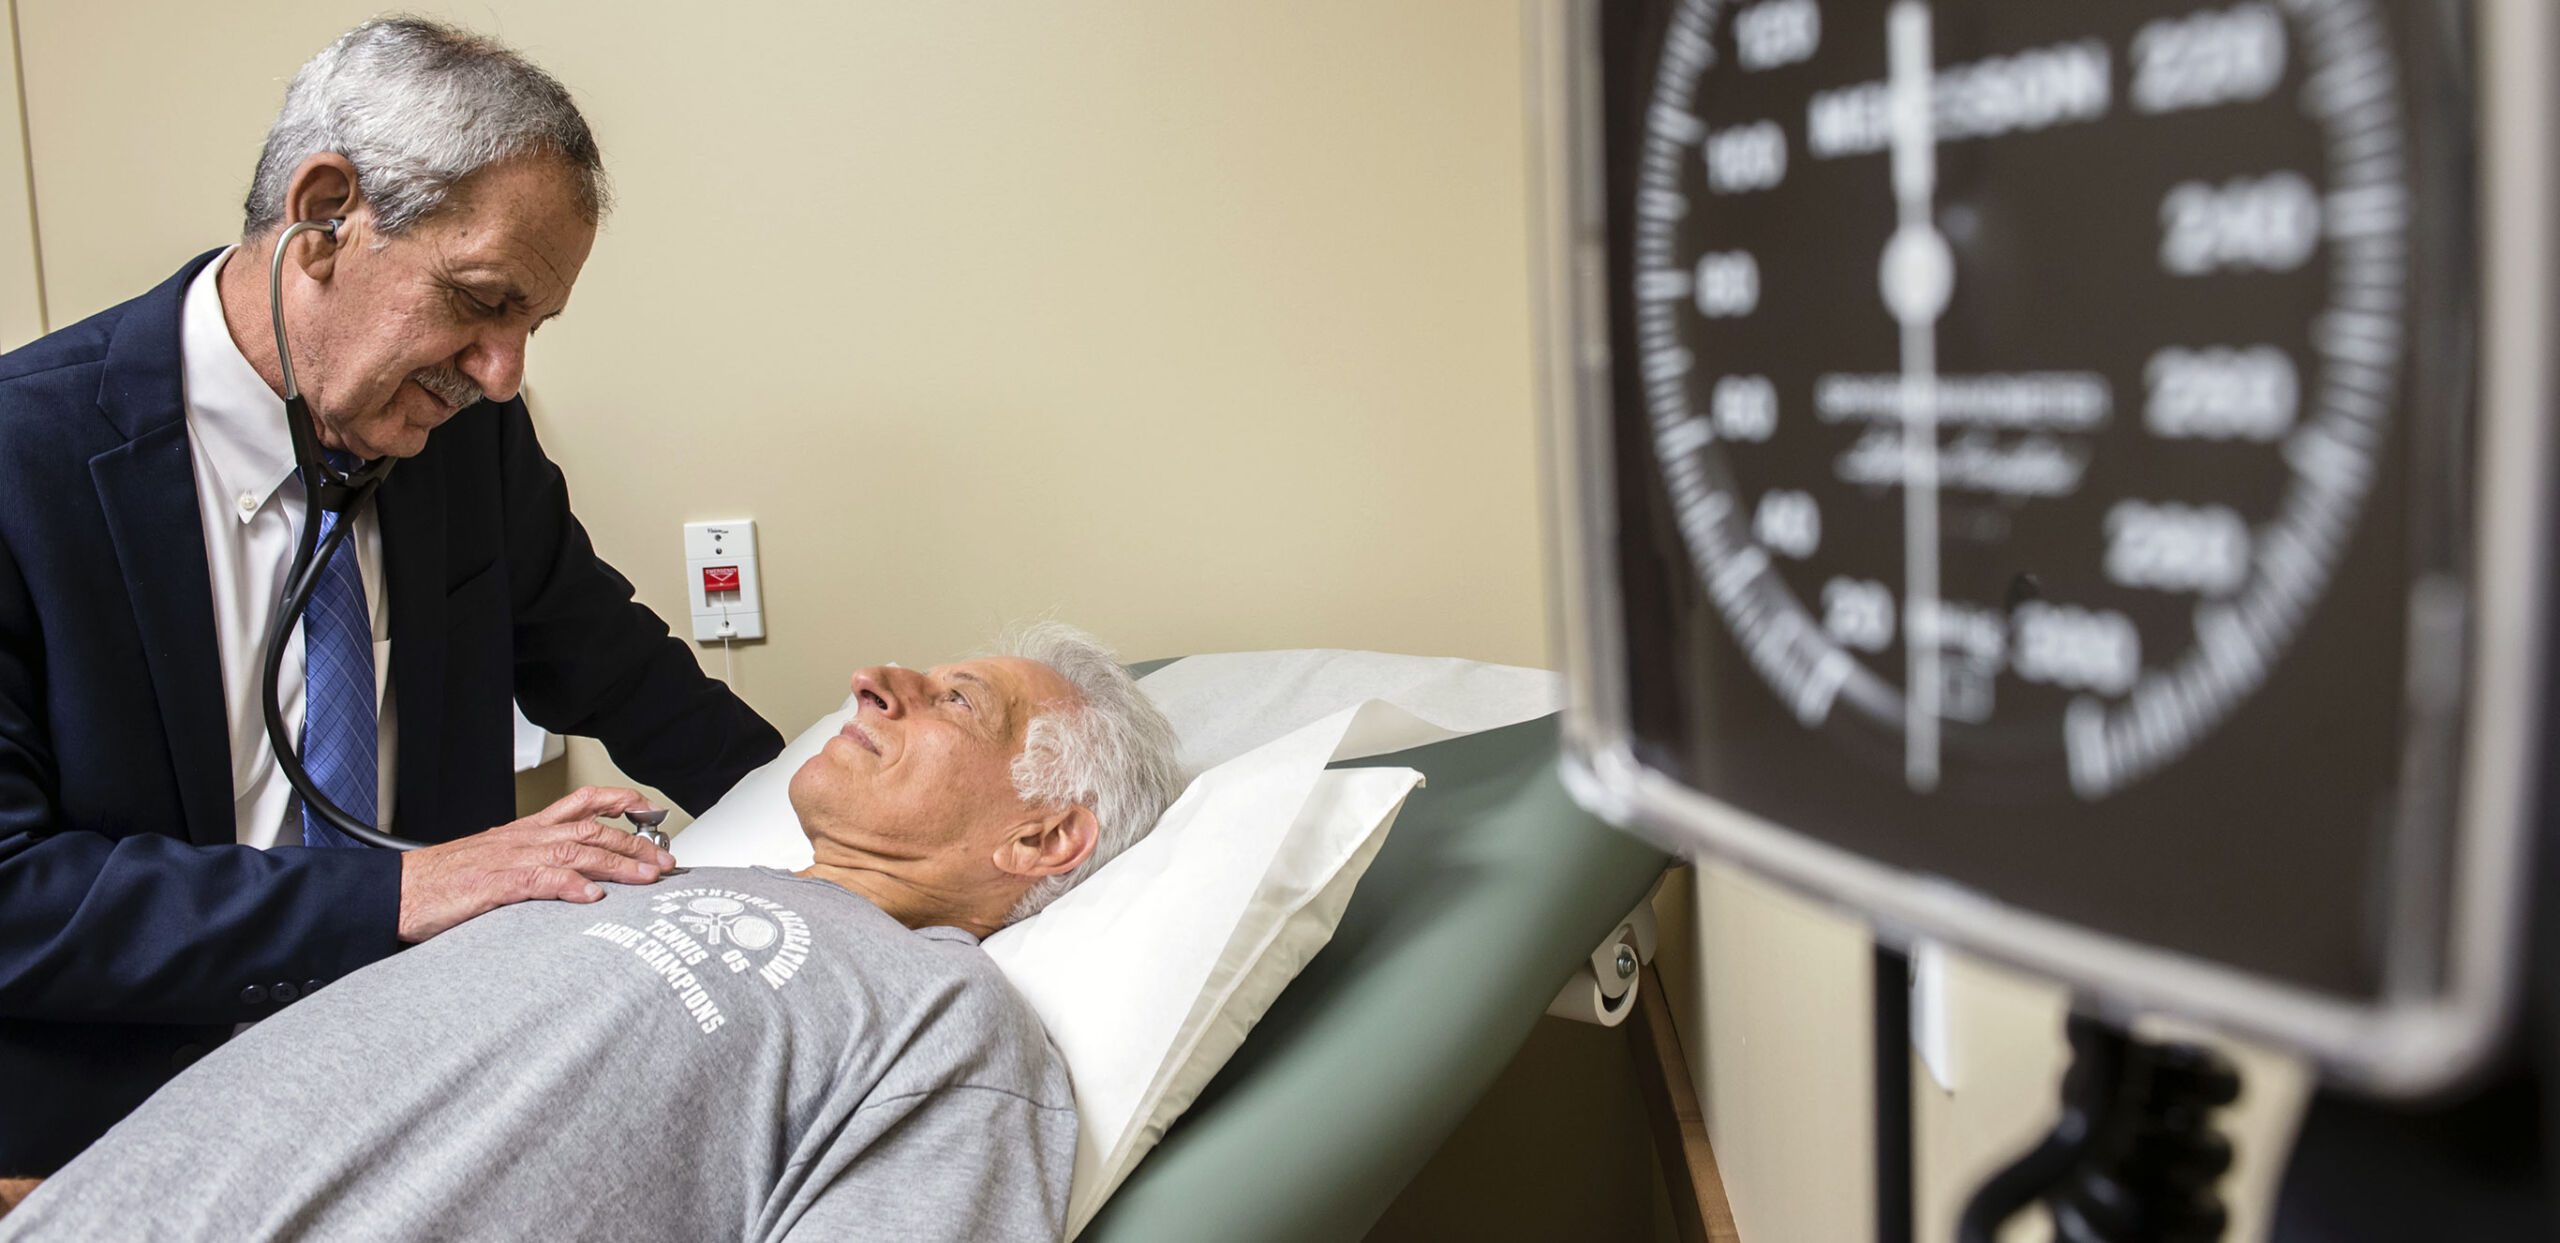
{"points": [[448, 385]]}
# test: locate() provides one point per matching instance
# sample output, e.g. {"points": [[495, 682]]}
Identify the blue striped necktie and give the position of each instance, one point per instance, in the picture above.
{"points": [[341, 736]]}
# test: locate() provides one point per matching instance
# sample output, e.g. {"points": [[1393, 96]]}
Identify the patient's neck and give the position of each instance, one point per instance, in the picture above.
{"points": [[908, 903]]}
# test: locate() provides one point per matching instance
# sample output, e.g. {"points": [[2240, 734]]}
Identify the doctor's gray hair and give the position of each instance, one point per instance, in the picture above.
{"points": [[1111, 752], [417, 106]]}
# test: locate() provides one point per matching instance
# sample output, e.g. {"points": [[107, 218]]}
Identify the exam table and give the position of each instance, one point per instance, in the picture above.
{"points": [[1491, 889]]}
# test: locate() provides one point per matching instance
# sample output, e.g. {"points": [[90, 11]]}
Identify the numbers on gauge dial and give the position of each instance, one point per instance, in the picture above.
{"points": [[1728, 284], [2221, 393], [1746, 158], [2168, 546], [1859, 613], [2269, 223], [1745, 408], [1788, 523], [1776, 32], [2216, 56], [2081, 649], [2170, 434]]}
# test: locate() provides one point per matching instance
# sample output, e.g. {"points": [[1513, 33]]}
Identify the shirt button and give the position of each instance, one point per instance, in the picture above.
{"points": [[282, 992], [185, 1055], [253, 994], [309, 987], [248, 503]]}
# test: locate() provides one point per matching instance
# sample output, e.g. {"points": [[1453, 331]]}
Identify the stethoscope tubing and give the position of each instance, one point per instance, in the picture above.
{"points": [[326, 491]]}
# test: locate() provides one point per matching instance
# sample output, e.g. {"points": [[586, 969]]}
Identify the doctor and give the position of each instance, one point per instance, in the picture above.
{"points": [[159, 884]]}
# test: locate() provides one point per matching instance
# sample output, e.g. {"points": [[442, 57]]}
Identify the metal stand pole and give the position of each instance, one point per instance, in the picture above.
{"points": [[1893, 1094]]}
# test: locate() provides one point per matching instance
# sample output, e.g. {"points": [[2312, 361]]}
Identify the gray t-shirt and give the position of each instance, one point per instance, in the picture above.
{"points": [[731, 1053]]}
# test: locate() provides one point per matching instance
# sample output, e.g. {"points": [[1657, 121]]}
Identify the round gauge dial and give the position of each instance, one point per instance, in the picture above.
{"points": [[2017, 373]]}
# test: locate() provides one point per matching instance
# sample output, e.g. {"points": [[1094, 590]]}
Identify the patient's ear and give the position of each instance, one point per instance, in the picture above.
{"points": [[1056, 842]]}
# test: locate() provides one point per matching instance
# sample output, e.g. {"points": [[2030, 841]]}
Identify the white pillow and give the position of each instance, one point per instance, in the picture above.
{"points": [[1225, 704], [1150, 972]]}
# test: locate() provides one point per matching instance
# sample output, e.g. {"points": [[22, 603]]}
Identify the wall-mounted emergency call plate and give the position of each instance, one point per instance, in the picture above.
{"points": [[720, 576]]}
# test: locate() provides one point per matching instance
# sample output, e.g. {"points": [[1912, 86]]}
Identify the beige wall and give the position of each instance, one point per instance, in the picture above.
{"points": [[1202, 325], [22, 312]]}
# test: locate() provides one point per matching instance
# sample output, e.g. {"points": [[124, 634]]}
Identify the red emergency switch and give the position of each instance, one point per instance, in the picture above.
{"points": [[719, 578]]}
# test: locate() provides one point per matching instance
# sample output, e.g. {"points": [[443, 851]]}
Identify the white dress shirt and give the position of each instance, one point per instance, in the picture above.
{"points": [[251, 503]]}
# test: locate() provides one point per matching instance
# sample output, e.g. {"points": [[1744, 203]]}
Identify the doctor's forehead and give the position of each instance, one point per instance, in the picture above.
{"points": [[518, 222]]}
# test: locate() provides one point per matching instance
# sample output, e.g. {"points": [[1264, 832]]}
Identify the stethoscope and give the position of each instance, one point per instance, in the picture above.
{"points": [[337, 492]]}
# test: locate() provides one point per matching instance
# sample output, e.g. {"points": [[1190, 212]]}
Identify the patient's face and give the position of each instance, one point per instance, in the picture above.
{"points": [[918, 786]]}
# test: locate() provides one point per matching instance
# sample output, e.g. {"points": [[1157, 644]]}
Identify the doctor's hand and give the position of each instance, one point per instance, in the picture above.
{"points": [[559, 853]]}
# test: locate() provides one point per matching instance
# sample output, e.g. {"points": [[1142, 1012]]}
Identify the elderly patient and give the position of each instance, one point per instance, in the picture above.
{"points": [[730, 1053]]}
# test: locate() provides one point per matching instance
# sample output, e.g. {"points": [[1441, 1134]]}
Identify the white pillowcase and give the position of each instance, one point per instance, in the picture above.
{"points": [[1150, 972], [1227, 703]]}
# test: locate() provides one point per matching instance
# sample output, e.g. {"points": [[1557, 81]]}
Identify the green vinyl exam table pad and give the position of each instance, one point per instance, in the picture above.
{"points": [[1492, 887]]}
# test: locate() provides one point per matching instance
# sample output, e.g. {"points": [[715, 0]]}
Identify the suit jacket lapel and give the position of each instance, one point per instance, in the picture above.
{"points": [[412, 507], [146, 487]]}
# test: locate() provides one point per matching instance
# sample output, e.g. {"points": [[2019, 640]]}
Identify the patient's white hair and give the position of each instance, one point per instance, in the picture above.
{"points": [[1111, 752]]}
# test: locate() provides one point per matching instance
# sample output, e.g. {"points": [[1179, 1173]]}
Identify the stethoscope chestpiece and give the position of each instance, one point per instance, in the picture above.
{"points": [[644, 824]]}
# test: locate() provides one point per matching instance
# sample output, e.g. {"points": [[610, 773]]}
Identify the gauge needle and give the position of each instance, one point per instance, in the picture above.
{"points": [[1917, 275]]}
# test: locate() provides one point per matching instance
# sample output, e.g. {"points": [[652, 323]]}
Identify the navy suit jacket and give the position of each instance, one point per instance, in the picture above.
{"points": [[134, 932]]}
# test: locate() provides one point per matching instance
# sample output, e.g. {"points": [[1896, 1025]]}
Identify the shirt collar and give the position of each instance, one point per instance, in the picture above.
{"points": [[231, 411]]}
